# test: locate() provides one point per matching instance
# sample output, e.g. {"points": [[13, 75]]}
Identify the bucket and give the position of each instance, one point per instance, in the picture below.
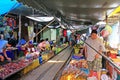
{"points": [[113, 55]]}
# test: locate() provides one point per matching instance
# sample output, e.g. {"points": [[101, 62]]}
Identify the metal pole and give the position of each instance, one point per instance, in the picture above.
{"points": [[19, 27], [119, 29], [36, 32]]}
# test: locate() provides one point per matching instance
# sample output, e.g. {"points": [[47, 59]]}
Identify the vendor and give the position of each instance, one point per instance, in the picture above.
{"points": [[42, 46], [51, 44], [30, 47], [21, 42], [3, 45], [72, 40], [94, 59], [47, 44]]}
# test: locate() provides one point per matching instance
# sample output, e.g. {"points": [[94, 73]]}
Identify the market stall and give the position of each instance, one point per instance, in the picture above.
{"points": [[77, 69], [58, 49], [55, 50], [113, 44], [25, 63], [112, 70], [13, 67]]}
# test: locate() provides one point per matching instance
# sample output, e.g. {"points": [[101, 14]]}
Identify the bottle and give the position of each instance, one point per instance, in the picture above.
{"points": [[40, 59]]}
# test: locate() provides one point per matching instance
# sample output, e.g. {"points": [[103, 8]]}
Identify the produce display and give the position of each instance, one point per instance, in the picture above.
{"points": [[57, 49], [113, 72], [13, 67], [21, 64], [32, 55], [72, 77], [76, 70], [47, 56]]}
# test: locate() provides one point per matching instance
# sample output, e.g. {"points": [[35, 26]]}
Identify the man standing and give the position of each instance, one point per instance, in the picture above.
{"points": [[94, 59]]}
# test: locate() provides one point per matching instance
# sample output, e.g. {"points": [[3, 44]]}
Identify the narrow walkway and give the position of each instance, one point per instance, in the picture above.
{"points": [[48, 70]]}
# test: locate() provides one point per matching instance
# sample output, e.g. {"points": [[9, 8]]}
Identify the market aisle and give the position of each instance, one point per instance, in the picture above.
{"points": [[48, 70]]}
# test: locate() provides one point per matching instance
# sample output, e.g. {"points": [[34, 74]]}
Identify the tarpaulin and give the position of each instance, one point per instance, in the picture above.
{"points": [[8, 5]]}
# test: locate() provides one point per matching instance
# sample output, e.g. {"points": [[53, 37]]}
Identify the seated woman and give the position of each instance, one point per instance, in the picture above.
{"points": [[30, 47], [41, 46], [21, 46], [21, 42], [47, 44]]}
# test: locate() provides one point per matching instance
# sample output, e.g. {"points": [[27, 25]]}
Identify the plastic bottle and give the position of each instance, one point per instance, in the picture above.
{"points": [[40, 59]]}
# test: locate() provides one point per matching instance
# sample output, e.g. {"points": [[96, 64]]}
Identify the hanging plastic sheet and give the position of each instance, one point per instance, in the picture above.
{"points": [[114, 36], [106, 31]]}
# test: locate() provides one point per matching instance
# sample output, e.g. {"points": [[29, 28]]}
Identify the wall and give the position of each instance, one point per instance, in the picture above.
{"points": [[47, 34], [53, 34]]}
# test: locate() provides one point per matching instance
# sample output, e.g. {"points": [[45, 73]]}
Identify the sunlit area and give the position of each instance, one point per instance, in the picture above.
{"points": [[52, 61]]}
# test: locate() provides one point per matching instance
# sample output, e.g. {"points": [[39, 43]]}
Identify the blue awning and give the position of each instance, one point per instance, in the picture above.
{"points": [[8, 5]]}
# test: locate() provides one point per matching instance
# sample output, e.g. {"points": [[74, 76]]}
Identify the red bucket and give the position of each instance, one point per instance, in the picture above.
{"points": [[113, 55]]}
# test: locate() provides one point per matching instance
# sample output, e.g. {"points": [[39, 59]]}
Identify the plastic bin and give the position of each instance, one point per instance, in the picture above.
{"points": [[113, 55]]}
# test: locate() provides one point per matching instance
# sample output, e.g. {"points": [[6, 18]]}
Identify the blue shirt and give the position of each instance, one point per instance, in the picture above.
{"points": [[22, 42], [51, 42], [3, 44]]}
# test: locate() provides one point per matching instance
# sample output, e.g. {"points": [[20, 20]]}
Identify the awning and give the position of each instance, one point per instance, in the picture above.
{"points": [[114, 11], [41, 19], [8, 5], [114, 16], [77, 10]]}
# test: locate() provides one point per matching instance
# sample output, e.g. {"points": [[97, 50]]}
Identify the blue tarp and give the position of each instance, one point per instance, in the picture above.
{"points": [[8, 5]]}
